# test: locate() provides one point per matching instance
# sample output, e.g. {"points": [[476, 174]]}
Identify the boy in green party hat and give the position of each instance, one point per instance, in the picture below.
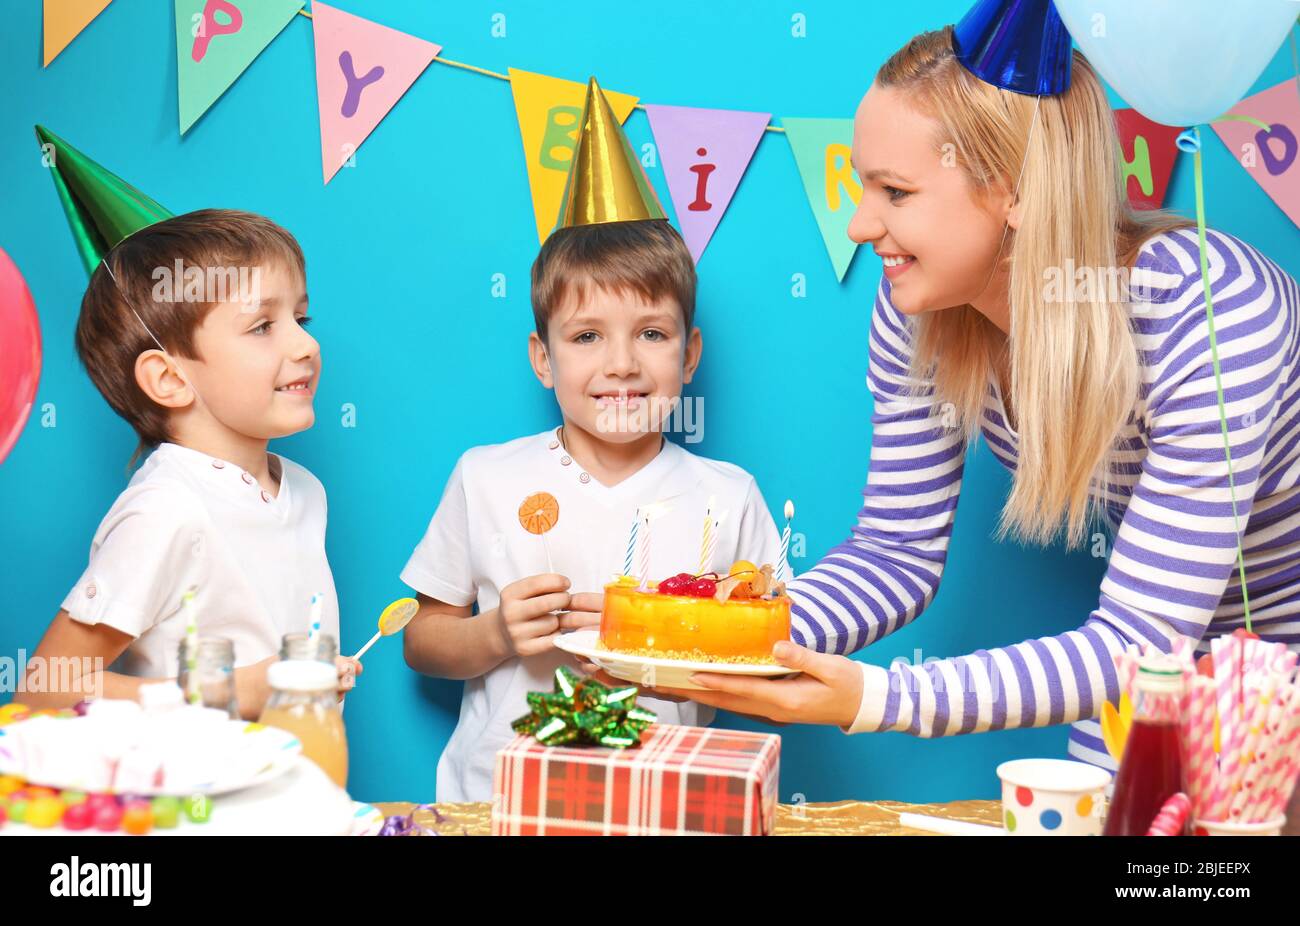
{"points": [[192, 328]]}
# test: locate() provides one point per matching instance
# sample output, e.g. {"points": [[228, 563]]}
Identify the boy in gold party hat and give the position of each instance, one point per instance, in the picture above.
{"points": [[613, 293], [192, 329]]}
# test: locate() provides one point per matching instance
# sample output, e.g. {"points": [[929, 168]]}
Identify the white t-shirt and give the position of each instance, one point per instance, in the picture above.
{"points": [[475, 546], [189, 520]]}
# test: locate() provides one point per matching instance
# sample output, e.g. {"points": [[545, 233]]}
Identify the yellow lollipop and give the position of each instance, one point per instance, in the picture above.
{"points": [[396, 616]]}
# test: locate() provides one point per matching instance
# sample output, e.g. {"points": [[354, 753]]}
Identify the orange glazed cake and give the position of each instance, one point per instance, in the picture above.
{"points": [[709, 618]]}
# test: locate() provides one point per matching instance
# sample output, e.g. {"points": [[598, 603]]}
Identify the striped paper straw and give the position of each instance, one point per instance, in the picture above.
{"points": [[1227, 664], [1198, 735], [1172, 816], [1258, 690], [191, 647], [314, 630], [1285, 756], [1270, 757]]}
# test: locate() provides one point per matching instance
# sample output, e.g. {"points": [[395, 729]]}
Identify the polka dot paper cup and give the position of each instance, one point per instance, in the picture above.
{"points": [[1052, 797], [1221, 828]]}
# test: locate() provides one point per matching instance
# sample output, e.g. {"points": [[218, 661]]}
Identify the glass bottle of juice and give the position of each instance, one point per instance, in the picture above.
{"points": [[1151, 770], [304, 701]]}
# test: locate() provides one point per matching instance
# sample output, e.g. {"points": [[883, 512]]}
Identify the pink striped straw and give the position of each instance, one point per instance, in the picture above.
{"points": [[1198, 737], [1286, 756], [1258, 696], [1270, 758], [1172, 816], [1227, 664]]}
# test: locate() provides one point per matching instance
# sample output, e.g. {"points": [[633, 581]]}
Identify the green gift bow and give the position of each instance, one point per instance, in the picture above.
{"points": [[583, 711]]}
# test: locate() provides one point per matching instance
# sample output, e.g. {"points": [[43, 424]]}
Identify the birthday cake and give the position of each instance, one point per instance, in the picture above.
{"points": [[736, 618]]}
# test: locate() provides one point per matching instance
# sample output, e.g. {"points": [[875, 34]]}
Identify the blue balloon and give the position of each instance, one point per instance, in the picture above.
{"points": [[1179, 62]]}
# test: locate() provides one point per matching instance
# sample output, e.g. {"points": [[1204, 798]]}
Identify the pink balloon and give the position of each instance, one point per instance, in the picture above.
{"points": [[20, 354]]}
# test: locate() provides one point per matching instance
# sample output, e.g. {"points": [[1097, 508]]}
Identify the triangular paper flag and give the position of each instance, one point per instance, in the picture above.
{"points": [[549, 109], [362, 70], [215, 41], [64, 20], [704, 153], [822, 150], [1148, 150], [1272, 157]]}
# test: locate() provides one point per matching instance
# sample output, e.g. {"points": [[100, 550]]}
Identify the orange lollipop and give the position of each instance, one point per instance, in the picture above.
{"points": [[539, 513]]}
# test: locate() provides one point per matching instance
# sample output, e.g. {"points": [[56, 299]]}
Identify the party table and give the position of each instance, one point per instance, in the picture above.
{"points": [[837, 818]]}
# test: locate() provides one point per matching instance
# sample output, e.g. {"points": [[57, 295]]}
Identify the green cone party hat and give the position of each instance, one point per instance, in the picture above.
{"points": [[102, 208]]}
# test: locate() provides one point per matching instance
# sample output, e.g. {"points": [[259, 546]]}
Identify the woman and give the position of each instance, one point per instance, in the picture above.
{"points": [[1097, 404]]}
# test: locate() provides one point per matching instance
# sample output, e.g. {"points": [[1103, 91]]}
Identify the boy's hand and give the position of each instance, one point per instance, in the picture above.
{"points": [[584, 611], [348, 669], [252, 690], [525, 613]]}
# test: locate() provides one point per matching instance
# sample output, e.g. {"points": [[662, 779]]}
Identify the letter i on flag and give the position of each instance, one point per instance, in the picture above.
{"points": [[362, 70], [822, 150], [704, 154], [549, 109], [64, 20], [215, 41]]}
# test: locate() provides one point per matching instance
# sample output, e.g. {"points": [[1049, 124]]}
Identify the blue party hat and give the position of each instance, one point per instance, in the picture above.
{"points": [[1018, 45]]}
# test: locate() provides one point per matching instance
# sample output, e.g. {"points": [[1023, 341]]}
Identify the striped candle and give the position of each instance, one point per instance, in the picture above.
{"points": [[706, 541], [631, 545], [643, 559], [783, 568]]}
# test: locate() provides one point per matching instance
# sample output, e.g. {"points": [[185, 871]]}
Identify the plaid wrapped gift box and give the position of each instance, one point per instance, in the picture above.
{"points": [[684, 781]]}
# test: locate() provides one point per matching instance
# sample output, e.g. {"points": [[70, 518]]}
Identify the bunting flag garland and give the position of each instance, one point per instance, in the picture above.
{"points": [[1271, 156], [549, 109], [1148, 152], [704, 153], [216, 40], [63, 22], [362, 70], [822, 149]]}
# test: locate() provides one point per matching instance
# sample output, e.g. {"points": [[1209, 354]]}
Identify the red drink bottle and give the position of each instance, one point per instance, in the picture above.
{"points": [[1151, 770]]}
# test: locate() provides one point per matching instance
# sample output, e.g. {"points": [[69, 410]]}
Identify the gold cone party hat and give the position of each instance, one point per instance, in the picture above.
{"points": [[606, 181], [102, 208]]}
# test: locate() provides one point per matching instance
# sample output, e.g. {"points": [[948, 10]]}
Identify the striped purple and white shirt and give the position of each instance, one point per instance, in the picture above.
{"points": [[1172, 566]]}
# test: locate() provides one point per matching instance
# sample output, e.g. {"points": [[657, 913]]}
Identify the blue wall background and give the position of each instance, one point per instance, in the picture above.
{"points": [[401, 251]]}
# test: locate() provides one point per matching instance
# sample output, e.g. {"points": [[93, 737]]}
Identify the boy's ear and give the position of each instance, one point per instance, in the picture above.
{"points": [[159, 379], [540, 360], [694, 347]]}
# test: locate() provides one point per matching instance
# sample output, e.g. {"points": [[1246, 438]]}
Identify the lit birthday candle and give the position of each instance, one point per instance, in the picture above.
{"points": [[643, 558], [707, 541], [649, 514], [783, 573]]}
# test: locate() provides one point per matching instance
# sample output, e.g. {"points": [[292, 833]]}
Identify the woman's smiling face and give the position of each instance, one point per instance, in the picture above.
{"points": [[919, 210]]}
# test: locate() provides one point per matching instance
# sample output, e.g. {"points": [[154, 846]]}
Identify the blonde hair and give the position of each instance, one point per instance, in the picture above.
{"points": [[1074, 366]]}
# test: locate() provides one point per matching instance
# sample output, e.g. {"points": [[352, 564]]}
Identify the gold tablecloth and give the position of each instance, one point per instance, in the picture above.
{"points": [[839, 818]]}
